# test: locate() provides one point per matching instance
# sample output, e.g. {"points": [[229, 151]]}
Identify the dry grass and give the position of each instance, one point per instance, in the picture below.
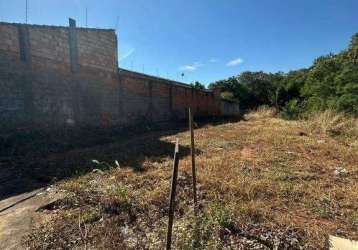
{"points": [[262, 112], [263, 182], [330, 123]]}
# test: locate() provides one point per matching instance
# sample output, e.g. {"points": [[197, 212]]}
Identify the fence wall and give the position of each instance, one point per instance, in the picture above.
{"points": [[67, 76], [228, 108]]}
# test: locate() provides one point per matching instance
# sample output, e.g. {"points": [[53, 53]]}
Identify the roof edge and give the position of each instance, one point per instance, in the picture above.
{"points": [[54, 26]]}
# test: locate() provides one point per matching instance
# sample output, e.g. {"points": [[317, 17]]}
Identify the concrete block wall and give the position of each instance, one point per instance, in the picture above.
{"points": [[38, 87], [97, 49], [161, 104], [149, 98], [52, 77], [48, 98], [50, 47], [9, 39]]}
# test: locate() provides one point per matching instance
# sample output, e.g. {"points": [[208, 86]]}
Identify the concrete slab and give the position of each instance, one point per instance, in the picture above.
{"points": [[16, 216], [9, 203], [337, 243]]}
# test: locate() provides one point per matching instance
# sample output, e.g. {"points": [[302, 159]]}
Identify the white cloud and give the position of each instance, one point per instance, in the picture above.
{"points": [[191, 67], [235, 62], [127, 54], [188, 68], [213, 60]]}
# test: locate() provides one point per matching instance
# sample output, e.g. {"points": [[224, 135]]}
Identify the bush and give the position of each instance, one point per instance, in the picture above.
{"points": [[330, 83], [228, 96], [348, 103], [291, 110]]}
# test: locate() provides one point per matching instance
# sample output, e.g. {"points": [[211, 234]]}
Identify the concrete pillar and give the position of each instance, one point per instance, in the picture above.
{"points": [[24, 44], [73, 46], [120, 97], [76, 88], [150, 108], [193, 101], [217, 99], [171, 99], [187, 103], [25, 56]]}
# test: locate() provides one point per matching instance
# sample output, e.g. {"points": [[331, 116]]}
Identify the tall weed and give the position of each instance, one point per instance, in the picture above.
{"points": [[262, 112], [331, 123]]}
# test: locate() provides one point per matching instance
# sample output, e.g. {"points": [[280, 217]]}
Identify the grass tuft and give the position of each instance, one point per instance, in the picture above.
{"points": [[330, 123], [262, 112]]}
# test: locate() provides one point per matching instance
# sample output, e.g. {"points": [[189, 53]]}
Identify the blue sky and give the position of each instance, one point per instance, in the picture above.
{"points": [[207, 39]]}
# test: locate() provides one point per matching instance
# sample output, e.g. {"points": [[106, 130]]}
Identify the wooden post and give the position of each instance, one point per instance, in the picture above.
{"points": [[192, 151], [172, 195]]}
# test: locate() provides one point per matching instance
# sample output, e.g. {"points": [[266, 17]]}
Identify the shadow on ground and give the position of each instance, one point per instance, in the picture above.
{"points": [[29, 161]]}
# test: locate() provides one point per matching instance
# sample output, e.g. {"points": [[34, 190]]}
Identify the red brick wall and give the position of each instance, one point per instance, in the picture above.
{"points": [[149, 96], [97, 49], [49, 46], [9, 39], [45, 92]]}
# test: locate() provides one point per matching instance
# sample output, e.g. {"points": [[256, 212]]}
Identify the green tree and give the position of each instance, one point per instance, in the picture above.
{"points": [[198, 85], [331, 82]]}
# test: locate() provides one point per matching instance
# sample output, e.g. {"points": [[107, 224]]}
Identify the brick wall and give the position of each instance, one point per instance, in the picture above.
{"points": [[9, 39], [97, 49], [228, 108], [151, 98], [38, 87], [49, 46], [59, 76]]}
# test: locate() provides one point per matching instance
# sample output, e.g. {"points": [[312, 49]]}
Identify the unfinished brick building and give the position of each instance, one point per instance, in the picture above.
{"points": [[68, 76]]}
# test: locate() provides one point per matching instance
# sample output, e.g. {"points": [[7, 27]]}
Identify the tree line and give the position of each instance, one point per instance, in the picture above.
{"points": [[330, 83]]}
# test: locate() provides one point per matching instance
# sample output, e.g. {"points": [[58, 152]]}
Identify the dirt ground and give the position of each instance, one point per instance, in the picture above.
{"points": [[263, 183]]}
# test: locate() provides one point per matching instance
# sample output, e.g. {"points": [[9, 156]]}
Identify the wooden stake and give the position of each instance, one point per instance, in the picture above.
{"points": [[172, 195], [192, 151]]}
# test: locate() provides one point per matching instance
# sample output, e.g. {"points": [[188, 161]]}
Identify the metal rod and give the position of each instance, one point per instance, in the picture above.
{"points": [[26, 11], [172, 195], [192, 151]]}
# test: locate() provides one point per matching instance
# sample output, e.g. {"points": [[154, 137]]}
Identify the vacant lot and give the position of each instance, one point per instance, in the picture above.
{"points": [[263, 183]]}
